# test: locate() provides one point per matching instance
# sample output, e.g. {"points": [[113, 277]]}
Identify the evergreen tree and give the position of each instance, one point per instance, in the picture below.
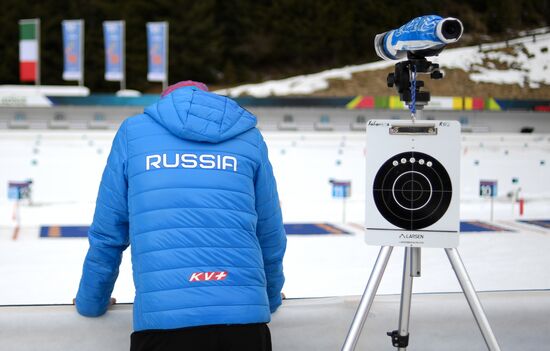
{"points": [[234, 41]]}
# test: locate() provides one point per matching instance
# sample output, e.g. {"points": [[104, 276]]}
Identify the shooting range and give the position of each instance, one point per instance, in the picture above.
{"points": [[410, 147]]}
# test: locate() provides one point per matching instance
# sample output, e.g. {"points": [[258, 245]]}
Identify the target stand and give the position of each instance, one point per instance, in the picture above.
{"points": [[413, 199]]}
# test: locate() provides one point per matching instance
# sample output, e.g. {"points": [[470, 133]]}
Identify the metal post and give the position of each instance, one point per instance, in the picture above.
{"points": [[123, 51], [344, 210], [166, 43], [38, 68], [367, 299], [493, 208], [472, 298], [81, 80]]}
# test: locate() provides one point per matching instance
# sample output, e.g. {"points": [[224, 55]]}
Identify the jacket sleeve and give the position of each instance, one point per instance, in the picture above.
{"points": [[108, 234], [270, 230]]}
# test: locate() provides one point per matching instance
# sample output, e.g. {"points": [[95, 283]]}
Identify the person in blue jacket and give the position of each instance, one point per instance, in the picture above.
{"points": [[189, 186]]}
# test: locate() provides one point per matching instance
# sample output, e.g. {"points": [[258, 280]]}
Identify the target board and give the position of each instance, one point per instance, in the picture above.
{"points": [[413, 177]]}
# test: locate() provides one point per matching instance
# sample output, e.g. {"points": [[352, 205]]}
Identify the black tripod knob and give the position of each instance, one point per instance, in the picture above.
{"points": [[398, 340], [391, 80], [436, 75]]}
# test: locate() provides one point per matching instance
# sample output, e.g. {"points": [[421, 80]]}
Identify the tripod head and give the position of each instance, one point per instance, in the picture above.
{"points": [[417, 39], [401, 78]]}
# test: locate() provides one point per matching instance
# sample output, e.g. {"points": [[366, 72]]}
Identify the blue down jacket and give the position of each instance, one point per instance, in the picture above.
{"points": [[188, 185]]}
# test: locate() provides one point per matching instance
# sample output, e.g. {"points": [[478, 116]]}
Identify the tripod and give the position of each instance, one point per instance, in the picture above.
{"points": [[409, 89], [411, 268]]}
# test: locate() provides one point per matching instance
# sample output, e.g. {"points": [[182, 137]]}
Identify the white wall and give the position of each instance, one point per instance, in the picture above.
{"points": [[270, 118]]}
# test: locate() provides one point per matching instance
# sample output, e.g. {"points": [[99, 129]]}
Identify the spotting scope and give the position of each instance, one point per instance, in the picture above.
{"points": [[420, 37]]}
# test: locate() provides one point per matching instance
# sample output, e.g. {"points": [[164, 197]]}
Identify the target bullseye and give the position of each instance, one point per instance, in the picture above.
{"points": [[409, 192]]}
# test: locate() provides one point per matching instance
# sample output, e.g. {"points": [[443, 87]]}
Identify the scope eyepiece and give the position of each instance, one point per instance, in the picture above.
{"points": [[449, 30]]}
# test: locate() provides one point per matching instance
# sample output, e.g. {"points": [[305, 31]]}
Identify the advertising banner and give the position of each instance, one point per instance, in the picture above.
{"points": [[157, 51], [113, 32], [73, 49]]}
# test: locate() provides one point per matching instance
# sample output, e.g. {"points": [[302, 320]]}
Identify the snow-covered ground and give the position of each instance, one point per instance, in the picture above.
{"points": [[44, 271], [66, 168], [523, 61]]}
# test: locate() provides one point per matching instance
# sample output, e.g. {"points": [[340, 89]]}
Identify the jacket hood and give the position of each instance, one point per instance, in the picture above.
{"points": [[197, 115]]}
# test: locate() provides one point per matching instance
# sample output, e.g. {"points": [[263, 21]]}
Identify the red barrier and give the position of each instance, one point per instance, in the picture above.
{"points": [[521, 206]]}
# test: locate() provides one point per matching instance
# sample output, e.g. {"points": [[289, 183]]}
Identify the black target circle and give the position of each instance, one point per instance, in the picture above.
{"points": [[412, 190]]}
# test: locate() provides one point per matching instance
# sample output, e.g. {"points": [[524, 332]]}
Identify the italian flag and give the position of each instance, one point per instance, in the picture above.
{"points": [[29, 50]]}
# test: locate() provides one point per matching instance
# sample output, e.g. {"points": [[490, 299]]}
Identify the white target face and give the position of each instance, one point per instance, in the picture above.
{"points": [[412, 190], [412, 183]]}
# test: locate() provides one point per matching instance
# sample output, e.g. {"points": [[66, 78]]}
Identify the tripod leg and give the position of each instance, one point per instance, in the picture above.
{"points": [[406, 294], [400, 337], [367, 299], [472, 298]]}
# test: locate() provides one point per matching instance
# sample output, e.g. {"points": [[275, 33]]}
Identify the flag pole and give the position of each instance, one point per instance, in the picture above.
{"points": [[81, 80], [123, 34], [166, 42], [37, 81]]}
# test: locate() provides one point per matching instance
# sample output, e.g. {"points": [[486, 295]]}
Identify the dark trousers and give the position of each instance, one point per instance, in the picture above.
{"points": [[231, 337]]}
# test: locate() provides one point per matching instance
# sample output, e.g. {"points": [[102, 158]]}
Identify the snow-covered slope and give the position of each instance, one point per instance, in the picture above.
{"points": [[302, 85], [524, 61]]}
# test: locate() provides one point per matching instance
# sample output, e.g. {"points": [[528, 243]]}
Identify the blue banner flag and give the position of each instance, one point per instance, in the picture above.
{"points": [[341, 189], [113, 32], [157, 51], [73, 49]]}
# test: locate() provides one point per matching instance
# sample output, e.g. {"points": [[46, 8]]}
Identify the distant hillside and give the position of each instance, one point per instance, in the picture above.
{"points": [[518, 68], [226, 43]]}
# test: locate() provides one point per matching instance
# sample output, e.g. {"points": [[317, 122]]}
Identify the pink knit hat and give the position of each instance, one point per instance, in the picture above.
{"points": [[184, 83]]}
